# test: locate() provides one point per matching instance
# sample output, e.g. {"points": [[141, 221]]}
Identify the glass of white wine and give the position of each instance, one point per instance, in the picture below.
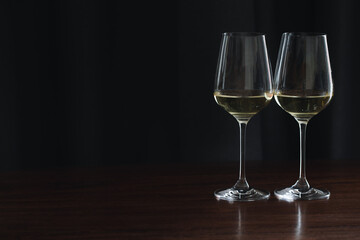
{"points": [[243, 86], [303, 88]]}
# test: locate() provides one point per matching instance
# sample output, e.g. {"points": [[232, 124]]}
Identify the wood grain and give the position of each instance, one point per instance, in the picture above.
{"points": [[174, 202]]}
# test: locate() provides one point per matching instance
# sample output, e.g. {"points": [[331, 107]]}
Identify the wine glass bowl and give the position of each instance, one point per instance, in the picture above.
{"points": [[303, 106], [243, 86], [242, 104], [303, 88]]}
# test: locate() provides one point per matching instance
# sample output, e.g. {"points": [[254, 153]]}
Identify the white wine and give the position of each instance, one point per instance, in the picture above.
{"points": [[242, 107], [303, 108]]}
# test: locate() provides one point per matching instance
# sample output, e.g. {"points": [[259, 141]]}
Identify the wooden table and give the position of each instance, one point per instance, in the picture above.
{"points": [[175, 201]]}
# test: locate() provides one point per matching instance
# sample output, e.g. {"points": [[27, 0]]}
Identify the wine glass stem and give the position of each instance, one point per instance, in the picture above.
{"points": [[302, 184], [242, 184]]}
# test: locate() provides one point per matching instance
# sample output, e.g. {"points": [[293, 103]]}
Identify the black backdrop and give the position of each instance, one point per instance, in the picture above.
{"points": [[92, 83]]}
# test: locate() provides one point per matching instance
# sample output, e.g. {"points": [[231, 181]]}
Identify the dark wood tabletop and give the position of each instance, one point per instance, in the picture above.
{"points": [[175, 201]]}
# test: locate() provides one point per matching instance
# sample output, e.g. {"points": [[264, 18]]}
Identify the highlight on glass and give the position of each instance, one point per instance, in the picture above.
{"points": [[243, 87], [303, 88]]}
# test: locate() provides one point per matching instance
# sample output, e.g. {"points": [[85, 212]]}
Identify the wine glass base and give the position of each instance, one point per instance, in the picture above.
{"points": [[232, 194], [291, 194]]}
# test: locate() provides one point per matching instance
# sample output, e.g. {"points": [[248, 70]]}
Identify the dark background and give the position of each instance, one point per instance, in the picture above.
{"points": [[92, 83]]}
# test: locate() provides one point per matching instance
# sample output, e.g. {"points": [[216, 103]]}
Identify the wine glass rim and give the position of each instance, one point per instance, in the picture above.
{"points": [[243, 34], [306, 34]]}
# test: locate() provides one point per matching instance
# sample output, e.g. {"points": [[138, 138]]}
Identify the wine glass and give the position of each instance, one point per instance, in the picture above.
{"points": [[303, 88], [243, 86]]}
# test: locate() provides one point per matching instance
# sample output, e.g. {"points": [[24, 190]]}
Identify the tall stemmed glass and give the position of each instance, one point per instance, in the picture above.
{"points": [[243, 86], [303, 87]]}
